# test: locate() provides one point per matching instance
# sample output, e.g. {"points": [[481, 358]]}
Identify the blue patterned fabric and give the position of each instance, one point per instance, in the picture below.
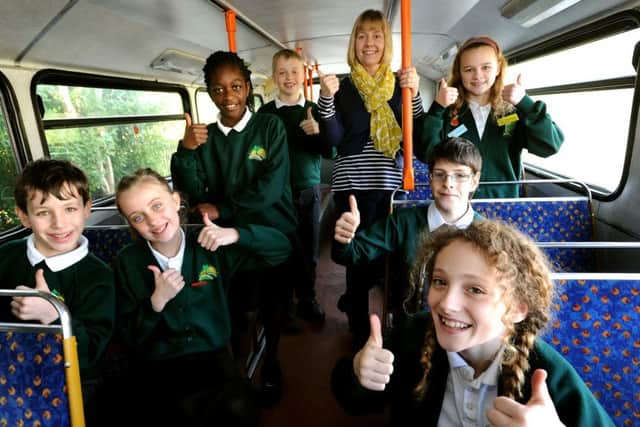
{"points": [[32, 380], [105, 243], [553, 220], [596, 329]]}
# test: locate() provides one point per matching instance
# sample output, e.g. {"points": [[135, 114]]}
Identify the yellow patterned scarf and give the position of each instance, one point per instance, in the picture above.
{"points": [[376, 91]]}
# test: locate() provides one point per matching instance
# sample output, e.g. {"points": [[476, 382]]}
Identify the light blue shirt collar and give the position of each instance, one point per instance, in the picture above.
{"points": [[57, 262]]}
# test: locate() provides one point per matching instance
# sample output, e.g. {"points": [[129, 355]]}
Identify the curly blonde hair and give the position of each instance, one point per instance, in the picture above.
{"points": [[524, 272], [499, 106]]}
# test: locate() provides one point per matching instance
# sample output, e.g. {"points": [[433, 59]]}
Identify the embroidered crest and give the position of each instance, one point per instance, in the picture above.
{"points": [[208, 272], [58, 295], [257, 153]]}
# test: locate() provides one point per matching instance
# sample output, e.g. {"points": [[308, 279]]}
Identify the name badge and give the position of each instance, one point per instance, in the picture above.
{"points": [[508, 119], [457, 131]]}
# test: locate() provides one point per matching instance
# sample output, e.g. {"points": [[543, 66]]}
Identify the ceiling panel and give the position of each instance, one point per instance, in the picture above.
{"points": [[21, 21]]}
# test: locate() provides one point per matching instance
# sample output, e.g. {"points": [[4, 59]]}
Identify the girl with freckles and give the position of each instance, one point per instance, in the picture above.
{"points": [[474, 358]]}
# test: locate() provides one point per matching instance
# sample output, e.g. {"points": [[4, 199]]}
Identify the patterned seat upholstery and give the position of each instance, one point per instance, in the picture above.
{"points": [[32, 380], [596, 329], [105, 243]]}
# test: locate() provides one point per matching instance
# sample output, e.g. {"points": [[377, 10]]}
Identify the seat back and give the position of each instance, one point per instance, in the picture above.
{"points": [[39, 371], [596, 329]]}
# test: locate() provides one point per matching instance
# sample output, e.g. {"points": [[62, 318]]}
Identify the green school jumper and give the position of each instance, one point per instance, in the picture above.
{"points": [[575, 404], [399, 233], [245, 174], [501, 146], [87, 289], [197, 318], [305, 151]]}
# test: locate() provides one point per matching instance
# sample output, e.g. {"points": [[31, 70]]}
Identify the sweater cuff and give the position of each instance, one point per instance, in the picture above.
{"points": [[436, 109], [526, 104]]}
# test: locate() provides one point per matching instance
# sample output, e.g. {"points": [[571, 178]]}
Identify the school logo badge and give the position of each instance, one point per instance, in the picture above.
{"points": [[257, 153], [207, 273]]}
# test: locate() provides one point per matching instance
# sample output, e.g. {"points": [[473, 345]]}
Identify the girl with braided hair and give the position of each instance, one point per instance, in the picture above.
{"points": [[475, 357]]}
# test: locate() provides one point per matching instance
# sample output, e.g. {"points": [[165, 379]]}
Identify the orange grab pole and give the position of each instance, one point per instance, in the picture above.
{"points": [[310, 70], [407, 111], [72, 375], [230, 21]]}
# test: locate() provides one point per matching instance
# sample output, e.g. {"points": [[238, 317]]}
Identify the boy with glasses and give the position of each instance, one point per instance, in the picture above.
{"points": [[455, 167]]}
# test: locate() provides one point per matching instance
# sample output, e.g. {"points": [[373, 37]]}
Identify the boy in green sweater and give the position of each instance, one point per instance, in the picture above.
{"points": [[306, 150], [52, 199], [454, 167]]}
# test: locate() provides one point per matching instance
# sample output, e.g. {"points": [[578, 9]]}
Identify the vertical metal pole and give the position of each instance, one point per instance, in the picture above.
{"points": [[407, 111], [230, 21]]}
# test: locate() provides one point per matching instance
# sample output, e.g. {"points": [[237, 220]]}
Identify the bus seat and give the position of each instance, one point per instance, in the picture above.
{"points": [[39, 371], [595, 327], [106, 241], [549, 219]]}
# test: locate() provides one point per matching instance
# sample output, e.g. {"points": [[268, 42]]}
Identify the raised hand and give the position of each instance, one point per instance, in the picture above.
{"points": [[539, 410], [514, 92], [446, 95], [309, 125], [373, 365], [211, 237], [348, 223], [329, 84], [168, 283], [35, 308], [408, 77], [194, 135]]}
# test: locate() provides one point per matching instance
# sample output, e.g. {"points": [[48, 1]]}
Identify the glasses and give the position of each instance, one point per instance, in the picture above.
{"points": [[456, 177]]}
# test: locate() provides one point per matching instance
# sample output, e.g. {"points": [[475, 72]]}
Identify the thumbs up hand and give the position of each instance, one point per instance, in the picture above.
{"points": [[539, 410], [373, 365], [167, 285], [329, 84], [348, 223], [309, 125], [446, 95], [35, 308], [211, 237], [194, 135], [514, 92]]}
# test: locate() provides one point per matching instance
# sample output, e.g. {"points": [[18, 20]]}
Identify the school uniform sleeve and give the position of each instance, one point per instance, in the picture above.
{"points": [[574, 402], [393, 233], [542, 136], [266, 189], [135, 284], [268, 245], [432, 126], [405, 342], [187, 173], [93, 311]]}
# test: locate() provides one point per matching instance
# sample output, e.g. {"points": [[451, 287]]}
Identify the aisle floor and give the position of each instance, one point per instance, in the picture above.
{"points": [[307, 360]]}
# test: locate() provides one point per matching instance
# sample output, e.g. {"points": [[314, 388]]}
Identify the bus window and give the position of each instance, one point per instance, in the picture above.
{"points": [[8, 173], [110, 132], [207, 110], [589, 94]]}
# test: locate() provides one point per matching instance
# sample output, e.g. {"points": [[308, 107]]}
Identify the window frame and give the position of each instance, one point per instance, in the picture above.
{"points": [[75, 79], [615, 24], [15, 132]]}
